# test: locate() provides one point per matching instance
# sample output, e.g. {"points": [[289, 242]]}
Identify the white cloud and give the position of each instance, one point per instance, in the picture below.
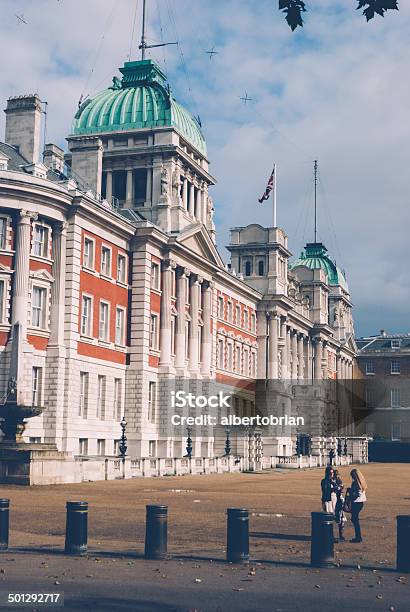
{"points": [[336, 91]]}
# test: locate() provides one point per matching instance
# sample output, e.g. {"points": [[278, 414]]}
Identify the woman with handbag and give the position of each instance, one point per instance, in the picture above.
{"points": [[358, 499]]}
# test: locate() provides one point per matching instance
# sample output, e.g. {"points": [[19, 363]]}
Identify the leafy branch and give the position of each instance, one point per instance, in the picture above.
{"points": [[293, 9]]}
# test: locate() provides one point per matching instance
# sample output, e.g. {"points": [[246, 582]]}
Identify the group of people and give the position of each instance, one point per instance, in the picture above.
{"points": [[338, 502]]}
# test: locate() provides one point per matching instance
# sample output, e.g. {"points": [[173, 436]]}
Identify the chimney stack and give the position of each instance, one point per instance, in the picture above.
{"points": [[23, 125], [54, 157]]}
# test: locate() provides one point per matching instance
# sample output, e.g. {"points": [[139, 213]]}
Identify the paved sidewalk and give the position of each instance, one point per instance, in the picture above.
{"points": [[119, 583]]}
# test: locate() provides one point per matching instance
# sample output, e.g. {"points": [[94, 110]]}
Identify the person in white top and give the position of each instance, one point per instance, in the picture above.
{"points": [[358, 498]]}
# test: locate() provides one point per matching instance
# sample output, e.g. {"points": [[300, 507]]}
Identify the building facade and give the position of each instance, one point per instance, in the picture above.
{"points": [[383, 373], [112, 287]]}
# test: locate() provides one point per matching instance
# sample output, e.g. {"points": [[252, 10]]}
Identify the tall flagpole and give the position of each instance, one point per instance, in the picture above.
{"points": [[274, 195]]}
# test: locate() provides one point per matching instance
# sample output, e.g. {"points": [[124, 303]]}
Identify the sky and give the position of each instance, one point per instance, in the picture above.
{"points": [[336, 90]]}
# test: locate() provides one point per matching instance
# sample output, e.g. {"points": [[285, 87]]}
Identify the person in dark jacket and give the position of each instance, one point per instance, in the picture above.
{"points": [[328, 486], [339, 514]]}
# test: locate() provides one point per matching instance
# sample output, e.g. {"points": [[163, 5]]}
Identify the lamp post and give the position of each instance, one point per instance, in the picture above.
{"points": [[339, 447], [345, 448], [227, 442], [189, 443], [123, 444]]}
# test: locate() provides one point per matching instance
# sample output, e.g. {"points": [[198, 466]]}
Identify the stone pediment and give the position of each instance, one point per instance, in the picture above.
{"points": [[196, 239], [42, 275], [4, 268]]}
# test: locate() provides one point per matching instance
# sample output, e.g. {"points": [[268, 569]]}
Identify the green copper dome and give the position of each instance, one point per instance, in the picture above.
{"points": [[314, 257], [142, 99]]}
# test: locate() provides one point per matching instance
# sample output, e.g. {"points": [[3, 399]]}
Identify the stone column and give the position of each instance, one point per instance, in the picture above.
{"points": [[191, 201], [165, 328], [193, 328], [129, 195], [308, 364], [58, 287], [273, 346], [207, 288], [301, 356], [284, 351], [185, 193], [294, 345], [108, 186], [204, 205], [180, 362], [21, 271], [339, 367], [198, 205], [262, 335], [318, 359]]}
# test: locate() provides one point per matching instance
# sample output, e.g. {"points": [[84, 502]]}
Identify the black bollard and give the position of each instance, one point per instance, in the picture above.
{"points": [[4, 523], [237, 547], [156, 532], [321, 547], [403, 543], [76, 528]]}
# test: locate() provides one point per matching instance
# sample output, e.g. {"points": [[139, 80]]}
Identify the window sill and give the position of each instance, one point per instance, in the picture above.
{"points": [[38, 331], [157, 291], [107, 278], [155, 351], [120, 347], [124, 285], [88, 339], [46, 260], [89, 270], [7, 252]]}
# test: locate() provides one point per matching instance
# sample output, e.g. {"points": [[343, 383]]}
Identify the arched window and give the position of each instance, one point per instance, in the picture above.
{"points": [[261, 268]]}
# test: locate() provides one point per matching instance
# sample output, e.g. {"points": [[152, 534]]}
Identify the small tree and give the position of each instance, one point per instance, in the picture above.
{"points": [[293, 9]]}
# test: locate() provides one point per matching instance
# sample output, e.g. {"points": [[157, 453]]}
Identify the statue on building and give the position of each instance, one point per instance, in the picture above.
{"points": [[176, 183], [164, 181]]}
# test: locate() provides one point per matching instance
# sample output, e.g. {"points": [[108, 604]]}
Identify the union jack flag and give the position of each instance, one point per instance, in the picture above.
{"points": [[269, 187]]}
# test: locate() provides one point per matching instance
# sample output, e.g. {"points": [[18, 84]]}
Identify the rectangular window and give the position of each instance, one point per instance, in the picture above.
{"points": [[238, 316], [40, 241], [253, 365], [100, 448], [38, 307], [152, 401], [230, 357], [83, 446], [120, 326], [220, 307], [246, 362], [3, 233], [155, 276], [83, 403], [35, 386], [88, 258], [152, 448], [395, 398], [395, 343], [395, 366], [86, 316], [103, 330], [116, 448], [154, 333], [221, 354], [230, 311], [101, 397], [370, 369], [122, 269], [238, 364], [2, 301], [105, 261], [34, 440], [117, 408], [253, 323], [246, 319]]}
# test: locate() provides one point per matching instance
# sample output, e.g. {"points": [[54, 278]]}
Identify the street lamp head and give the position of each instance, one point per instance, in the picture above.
{"points": [[123, 422]]}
